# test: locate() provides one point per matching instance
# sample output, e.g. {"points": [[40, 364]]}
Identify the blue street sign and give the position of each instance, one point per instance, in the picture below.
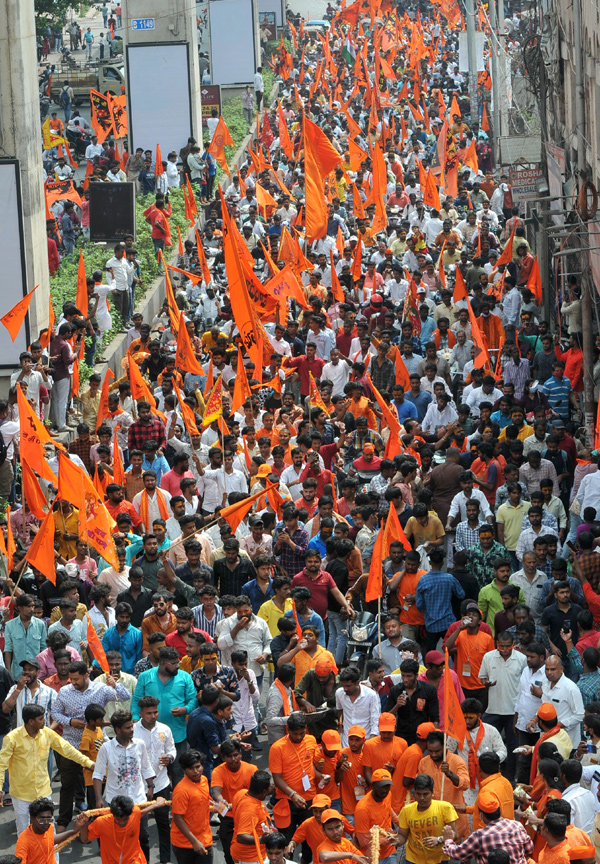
{"points": [[142, 24]]}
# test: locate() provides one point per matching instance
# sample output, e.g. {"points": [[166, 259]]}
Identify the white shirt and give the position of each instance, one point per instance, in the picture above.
{"points": [[153, 508], [491, 742], [588, 493], [281, 346], [460, 501], [93, 150], [288, 475], [121, 270], [10, 433], [118, 581], [259, 84], [502, 698], [158, 742], [434, 418], [243, 710], [173, 176], [255, 638], [364, 711], [339, 375], [477, 395], [99, 621], [532, 591], [527, 704], [234, 482], [126, 768], [567, 701], [584, 806]]}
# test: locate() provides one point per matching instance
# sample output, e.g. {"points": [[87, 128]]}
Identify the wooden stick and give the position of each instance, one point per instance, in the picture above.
{"points": [[443, 775]]}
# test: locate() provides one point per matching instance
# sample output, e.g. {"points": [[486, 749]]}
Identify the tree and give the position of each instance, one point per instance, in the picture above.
{"points": [[53, 12]]}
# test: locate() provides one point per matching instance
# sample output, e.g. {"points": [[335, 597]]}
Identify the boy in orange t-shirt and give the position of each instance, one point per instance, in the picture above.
{"points": [[251, 821], [92, 739], [469, 645], [311, 830], [375, 809], [385, 749], [334, 841], [118, 831], [190, 828], [35, 845], [327, 759], [228, 778], [350, 770], [407, 767]]}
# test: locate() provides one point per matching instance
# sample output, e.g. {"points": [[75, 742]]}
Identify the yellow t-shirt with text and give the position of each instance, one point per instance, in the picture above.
{"points": [[428, 823]]}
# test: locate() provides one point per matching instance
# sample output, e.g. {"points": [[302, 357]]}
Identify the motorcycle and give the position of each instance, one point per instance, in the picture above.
{"points": [[362, 632]]}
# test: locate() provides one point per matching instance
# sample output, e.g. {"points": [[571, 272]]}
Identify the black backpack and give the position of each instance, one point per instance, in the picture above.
{"points": [[65, 99]]}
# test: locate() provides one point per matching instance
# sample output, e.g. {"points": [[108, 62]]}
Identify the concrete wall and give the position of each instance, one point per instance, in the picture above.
{"points": [[175, 21], [20, 138]]}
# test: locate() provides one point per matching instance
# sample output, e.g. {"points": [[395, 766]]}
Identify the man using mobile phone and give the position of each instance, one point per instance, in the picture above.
{"points": [[560, 617]]}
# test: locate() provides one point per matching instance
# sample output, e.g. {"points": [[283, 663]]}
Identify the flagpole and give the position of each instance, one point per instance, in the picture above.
{"points": [[443, 775], [24, 513], [379, 618]]}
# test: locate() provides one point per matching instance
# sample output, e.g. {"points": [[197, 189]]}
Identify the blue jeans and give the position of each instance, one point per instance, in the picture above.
{"points": [[337, 638]]}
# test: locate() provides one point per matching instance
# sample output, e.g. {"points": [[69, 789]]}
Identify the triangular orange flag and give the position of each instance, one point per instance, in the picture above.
{"points": [[402, 376], [336, 287], [189, 420], [221, 139], [95, 645], [32, 492], [534, 283], [179, 238], [10, 541], [485, 125], [185, 359], [46, 337], [241, 388], [118, 470], [202, 259], [507, 253], [236, 512], [103, 406], [210, 381], [81, 298], [14, 318], [32, 439], [158, 167], [454, 719], [41, 553]]}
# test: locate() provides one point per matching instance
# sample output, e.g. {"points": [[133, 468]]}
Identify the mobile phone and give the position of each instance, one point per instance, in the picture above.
{"points": [[566, 625]]}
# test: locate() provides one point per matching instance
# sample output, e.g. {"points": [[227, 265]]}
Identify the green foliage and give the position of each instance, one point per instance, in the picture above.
{"points": [[63, 285], [50, 12]]}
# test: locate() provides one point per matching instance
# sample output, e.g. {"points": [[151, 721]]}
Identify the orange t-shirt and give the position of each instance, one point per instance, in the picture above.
{"points": [[376, 753], [303, 661], [349, 779], [230, 782], [35, 848], [293, 762], [326, 765], [557, 855], [343, 846], [312, 831], [248, 815], [118, 844], [502, 789], [191, 800], [470, 651], [409, 614], [370, 812], [407, 766], [273, 435]]}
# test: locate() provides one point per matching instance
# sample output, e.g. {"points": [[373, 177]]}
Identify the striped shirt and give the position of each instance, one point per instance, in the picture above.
{"points": [[207, 624]]}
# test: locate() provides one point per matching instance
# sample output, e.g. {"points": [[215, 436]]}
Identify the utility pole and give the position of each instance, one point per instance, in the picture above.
{"points": [[472, 52], [495, 88], [586, 282]]}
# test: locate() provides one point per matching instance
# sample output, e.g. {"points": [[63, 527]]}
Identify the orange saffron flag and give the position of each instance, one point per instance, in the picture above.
{"points": [[507, 253], [202, 259], [33, 436], [314, 397], [534, 283], [118, 470], [46, 336], [158, 166], [241, 388], [103, 406], [32, 492], [41, 552], [221, 139], [402, 376], [374, 588], [336, 288], [185, 358], [95, 645], [454, 719], [189, 419], [10, 541], [214, 404], [236, 512], [297, 620], [14, 318]]}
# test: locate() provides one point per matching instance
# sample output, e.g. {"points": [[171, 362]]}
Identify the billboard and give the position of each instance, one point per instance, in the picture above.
{"points": [[112, 211], [233, 37], [160, 104], [211, 98]]}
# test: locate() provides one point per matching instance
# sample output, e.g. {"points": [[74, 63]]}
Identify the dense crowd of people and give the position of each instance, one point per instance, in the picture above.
{"points": [[417, 382]]}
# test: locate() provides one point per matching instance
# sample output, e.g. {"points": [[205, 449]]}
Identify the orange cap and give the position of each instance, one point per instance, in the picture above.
{"points": [[387, 722], [487, 801], [330, 739], [321, 801], [381, 775], [325, 666], [423, 730], [546, 712], [358, 731], [579, 852], [326, 815]]}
